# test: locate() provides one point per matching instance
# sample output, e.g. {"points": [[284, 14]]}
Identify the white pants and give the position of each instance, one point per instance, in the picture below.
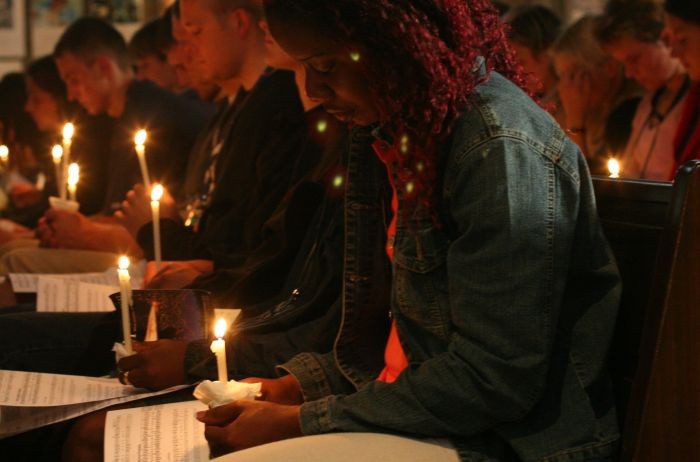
{"points": [[26, 257], [348, 447]]}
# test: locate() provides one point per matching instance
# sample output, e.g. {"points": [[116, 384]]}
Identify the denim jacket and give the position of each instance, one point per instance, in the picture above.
{"points": [[505, 309]]}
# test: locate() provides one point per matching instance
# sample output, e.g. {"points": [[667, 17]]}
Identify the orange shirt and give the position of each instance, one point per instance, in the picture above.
{"points": [[394, 357]]}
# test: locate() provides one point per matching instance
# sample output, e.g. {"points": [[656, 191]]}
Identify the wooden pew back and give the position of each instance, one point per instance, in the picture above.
{"points": [[663, 417], [633, 215]]}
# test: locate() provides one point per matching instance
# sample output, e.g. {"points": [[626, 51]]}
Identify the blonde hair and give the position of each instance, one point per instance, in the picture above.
{"points": [[579, 41]]}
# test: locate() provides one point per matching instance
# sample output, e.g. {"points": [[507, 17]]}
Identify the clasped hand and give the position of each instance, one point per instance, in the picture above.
{"points": [[62, 229], [244, 424], [136, 209]]}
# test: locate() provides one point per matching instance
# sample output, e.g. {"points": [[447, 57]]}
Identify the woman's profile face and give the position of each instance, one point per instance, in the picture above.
{"points": [[334, 73], [42, 107]]}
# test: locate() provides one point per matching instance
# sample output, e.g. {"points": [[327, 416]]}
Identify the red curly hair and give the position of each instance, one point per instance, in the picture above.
{"points": [[419, 57]]}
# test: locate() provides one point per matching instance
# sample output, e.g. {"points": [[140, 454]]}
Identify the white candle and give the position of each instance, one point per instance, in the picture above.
{"points": [[140, 146], [156, 195], [218, 347], [73, 177], [4, 155], [68, 132], [614, 168], [57, 155], [125, 290]]}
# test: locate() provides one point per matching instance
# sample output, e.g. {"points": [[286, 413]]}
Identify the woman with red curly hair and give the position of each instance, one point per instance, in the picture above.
{"points": [[482, 263]]}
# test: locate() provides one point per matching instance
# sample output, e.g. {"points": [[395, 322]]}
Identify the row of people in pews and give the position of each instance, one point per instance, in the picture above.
{"points": [[438, 271], [624, 84]]}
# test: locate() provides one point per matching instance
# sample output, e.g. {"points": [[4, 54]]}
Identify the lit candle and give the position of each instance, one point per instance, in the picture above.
{"points": [[4, 155], [614, 168], [68, 132], [73, 177], [57, 155], [218, 347], [125, 290], [156, 195], [140, 146]]}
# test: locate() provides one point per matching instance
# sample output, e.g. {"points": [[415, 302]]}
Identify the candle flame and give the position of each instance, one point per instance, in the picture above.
{"points": [[140, 138], [57, 152], [614, 168], [220, 328], [73, 174], [157, 192], [4, 152], [124, 262], [68, 131]]}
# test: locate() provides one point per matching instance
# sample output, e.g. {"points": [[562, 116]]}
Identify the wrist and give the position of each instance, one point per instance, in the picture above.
{"points": [[294, 421], [292, 389]]}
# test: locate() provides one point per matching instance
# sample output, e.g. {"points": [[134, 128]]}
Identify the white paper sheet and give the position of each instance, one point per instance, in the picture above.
{"points": [[229, 315], [23, 283], [34, 389], [28, 282], [165, 432], [30, 400], [65, 295]]}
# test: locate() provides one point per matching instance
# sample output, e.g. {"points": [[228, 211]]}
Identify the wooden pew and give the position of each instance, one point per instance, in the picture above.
{"points": [[633, 215], [663, 417]]}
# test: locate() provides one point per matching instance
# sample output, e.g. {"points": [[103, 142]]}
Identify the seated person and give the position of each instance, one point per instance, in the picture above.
{"points": [[47, 103], [504, 292], [599, 102], [150, 60], [683, 31], [245, 167], [533, 30], [25, 144], [176, 43], [631, 33]]}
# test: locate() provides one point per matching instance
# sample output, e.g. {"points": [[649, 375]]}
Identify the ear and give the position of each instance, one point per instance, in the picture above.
{"points": [[243, 21], [104, 66]]}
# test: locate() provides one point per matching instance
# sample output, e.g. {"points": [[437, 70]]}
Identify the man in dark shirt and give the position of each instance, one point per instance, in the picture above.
{"points": [[253, 151]]}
